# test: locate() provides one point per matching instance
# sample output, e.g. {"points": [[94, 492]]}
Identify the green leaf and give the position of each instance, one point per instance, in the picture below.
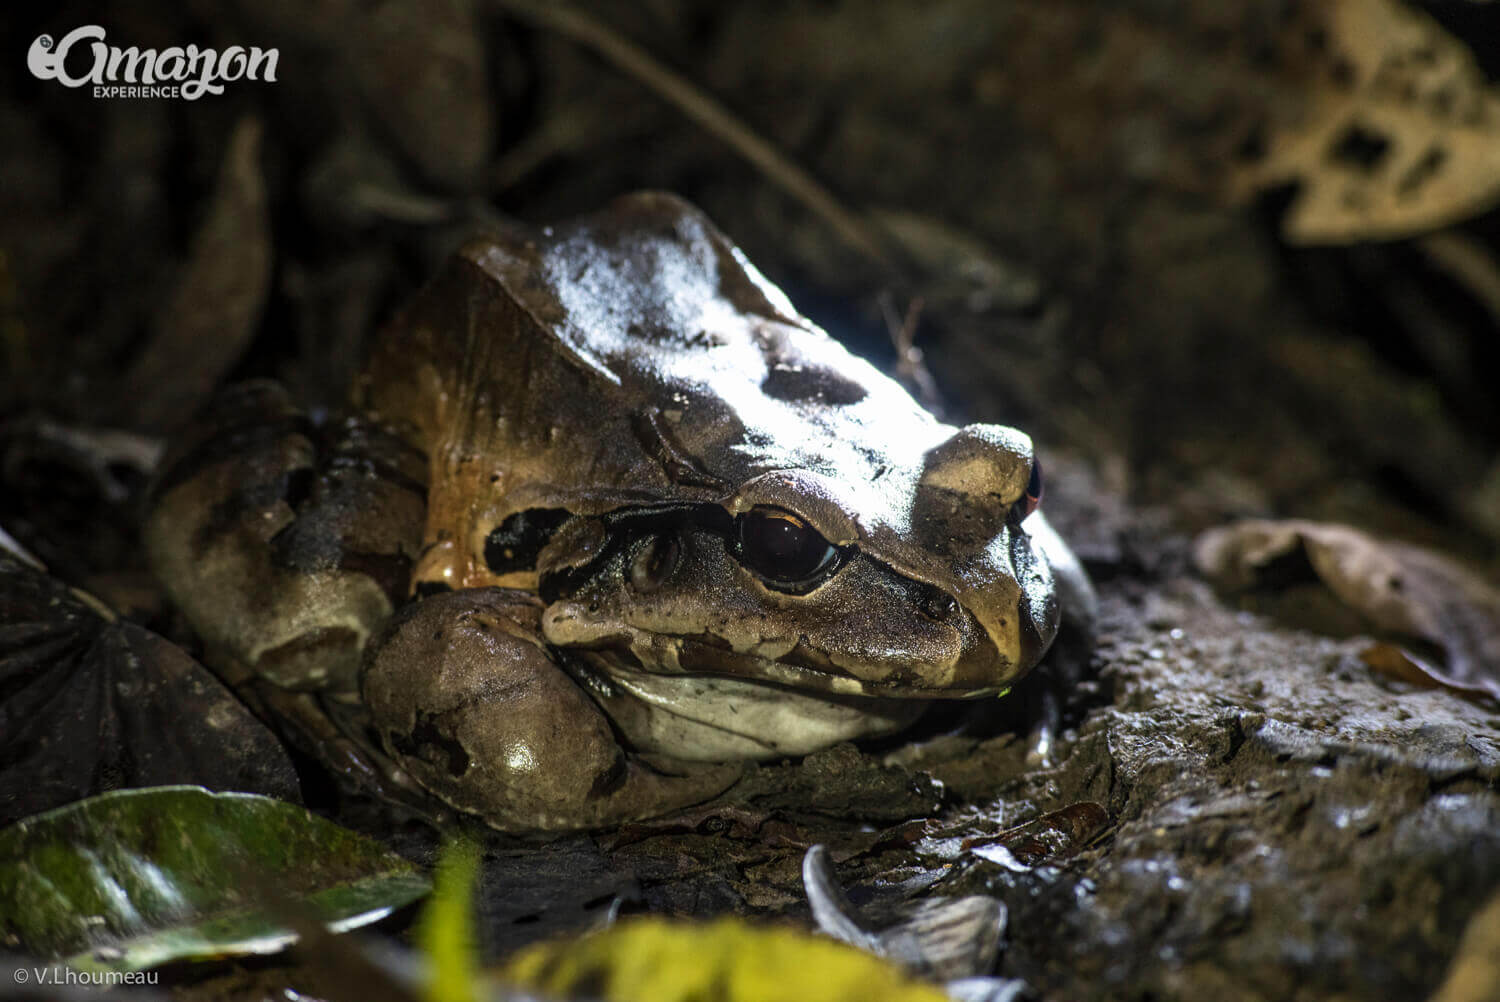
{"points": [[136, 878], [446, 932]]}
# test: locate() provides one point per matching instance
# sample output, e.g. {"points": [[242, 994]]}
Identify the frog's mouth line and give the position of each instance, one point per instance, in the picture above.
{"points": [[722, 718], [713, 660]]}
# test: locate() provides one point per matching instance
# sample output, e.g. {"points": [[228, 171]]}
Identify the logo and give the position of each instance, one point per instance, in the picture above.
{"points": [[176, 72]]}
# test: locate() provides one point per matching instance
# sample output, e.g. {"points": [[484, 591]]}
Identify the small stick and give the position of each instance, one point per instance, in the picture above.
{"points": [[910, 363], [1468, 262], [678, 91]]}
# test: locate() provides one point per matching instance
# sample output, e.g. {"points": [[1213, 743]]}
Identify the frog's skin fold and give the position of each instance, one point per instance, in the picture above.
{"points": [[662, 524]]}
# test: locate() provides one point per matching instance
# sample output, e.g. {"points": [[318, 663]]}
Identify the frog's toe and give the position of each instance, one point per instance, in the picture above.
{"points": [[464, 694]]}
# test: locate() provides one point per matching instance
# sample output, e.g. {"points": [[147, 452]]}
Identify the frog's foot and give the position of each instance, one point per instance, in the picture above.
{"points": [[285, 543], [336, 733], [465, 696]]}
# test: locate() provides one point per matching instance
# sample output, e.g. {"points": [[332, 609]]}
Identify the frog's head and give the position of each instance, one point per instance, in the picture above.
{"points": [[697, 480], [921, 581]]}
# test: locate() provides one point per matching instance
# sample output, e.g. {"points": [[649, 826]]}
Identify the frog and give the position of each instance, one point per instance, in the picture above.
{"points": [[605, 519]]}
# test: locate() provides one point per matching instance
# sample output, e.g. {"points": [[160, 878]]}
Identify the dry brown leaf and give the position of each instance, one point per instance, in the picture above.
{"points": [[1474, 974], [421, 70], [1400, 133], [411, 76], [1403, 665], [1401, 589], [213, 313]]}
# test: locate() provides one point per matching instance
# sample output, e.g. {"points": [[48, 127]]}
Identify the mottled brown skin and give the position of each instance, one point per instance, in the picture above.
{"points": [[469, 678], [607, 421]]}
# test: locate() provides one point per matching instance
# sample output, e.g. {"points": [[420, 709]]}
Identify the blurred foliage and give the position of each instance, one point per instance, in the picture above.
{"points": [[446, 932], [1395, 133], [729, 960], [139, 878]]}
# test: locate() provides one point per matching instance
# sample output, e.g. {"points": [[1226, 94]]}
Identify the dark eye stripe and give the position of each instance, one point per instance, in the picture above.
{"points": [[513, 545]]}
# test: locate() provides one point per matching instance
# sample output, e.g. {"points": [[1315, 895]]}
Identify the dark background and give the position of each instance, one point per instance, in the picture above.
{"points": [[1082, 269], [1059, 196]]}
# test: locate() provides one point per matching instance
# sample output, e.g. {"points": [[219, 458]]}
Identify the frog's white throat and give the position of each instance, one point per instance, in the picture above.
{"points": [[716, 719]]}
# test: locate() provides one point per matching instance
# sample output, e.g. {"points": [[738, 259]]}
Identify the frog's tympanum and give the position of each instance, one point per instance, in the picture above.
{"points": [[612, 519]]}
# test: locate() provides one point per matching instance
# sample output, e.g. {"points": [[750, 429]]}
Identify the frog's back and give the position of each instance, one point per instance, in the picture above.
{"points": [[629, 355]]}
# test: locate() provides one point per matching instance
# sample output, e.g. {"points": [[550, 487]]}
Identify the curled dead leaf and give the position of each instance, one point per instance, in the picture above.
{"points": [[1398, 588], [943, 939], [1406, 666]]}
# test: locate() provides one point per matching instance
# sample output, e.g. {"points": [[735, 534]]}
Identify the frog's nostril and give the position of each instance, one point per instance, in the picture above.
{"points": [[654, 560]]}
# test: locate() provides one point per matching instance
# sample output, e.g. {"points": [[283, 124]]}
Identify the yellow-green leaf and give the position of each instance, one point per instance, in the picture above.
{"points": [[446, 933], [655, 960]]}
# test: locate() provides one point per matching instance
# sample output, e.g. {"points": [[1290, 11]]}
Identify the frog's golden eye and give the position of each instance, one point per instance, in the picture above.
{"points": [[1033, 498], [783, 549]]}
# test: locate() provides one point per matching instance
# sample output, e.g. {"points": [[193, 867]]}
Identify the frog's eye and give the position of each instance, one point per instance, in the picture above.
{"points": [[1033, 498], [782, 548]]}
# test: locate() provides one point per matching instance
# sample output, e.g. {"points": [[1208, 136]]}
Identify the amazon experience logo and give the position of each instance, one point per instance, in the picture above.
{"points": [[176, 72]]}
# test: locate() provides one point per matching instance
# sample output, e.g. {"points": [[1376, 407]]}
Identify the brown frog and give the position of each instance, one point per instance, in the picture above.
{"points": [[656, 524]]}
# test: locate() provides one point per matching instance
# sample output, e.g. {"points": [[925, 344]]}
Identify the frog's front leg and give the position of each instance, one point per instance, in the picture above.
{"points": [[286, 543], [466, 696]]}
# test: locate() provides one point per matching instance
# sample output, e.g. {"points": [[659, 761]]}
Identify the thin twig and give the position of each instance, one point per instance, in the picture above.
{"points": [[911, 366], [1469, 263], [680, 92]]}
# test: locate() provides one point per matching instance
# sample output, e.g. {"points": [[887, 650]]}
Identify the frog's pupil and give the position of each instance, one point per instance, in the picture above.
{"points": [[781, 547], [783, 539]]}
